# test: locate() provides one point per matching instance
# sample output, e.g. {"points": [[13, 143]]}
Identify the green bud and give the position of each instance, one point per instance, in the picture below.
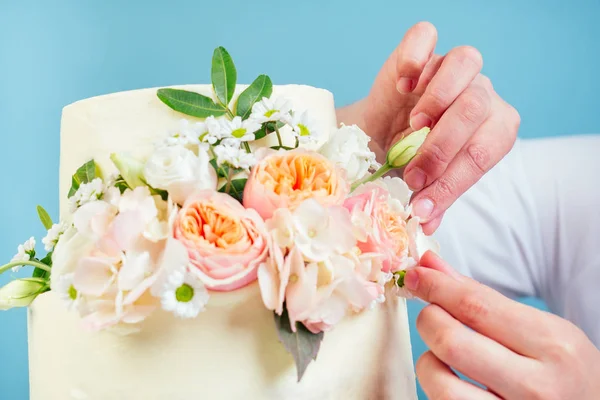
{"points": [[406, 149], [131, 169], [20, 292]]}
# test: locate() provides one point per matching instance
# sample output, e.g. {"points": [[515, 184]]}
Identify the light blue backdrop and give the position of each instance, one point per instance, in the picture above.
{"points": [[542, 56]]}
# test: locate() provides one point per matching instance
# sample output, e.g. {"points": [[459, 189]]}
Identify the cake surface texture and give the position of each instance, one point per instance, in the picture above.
{"points": [[231, 350]]}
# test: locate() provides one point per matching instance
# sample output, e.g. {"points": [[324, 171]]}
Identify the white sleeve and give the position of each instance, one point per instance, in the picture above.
{"points": [[531, 227]]}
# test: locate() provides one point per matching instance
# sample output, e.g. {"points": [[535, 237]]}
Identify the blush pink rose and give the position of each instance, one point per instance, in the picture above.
{"points": [[225, 241], [379, 227], [285, 179]]}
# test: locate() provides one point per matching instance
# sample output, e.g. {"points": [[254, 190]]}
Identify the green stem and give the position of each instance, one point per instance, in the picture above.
{"points": [[278, 136], [228, 185], [385, 168], [39, 265], [230, 114], [247, 147]]}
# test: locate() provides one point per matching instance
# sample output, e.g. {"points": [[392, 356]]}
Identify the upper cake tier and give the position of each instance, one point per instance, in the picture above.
{"points": [[99, 126]]}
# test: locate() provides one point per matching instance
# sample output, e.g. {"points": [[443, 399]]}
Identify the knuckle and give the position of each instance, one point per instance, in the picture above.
{"points": [[472, 309], [438, 98], [468, 55], [446, 345], [479, 157], [425, 27], [534, 389], [514, 120], [486, 82], [475, 106], [444, 188], [434, 157]]}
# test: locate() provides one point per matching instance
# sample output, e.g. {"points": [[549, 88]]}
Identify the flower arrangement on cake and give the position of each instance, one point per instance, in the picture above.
{"points": [[251, 194]]}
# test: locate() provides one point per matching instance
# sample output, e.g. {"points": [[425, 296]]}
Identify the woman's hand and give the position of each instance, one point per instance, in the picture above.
{"points": [[515, 351], [472, 127]]}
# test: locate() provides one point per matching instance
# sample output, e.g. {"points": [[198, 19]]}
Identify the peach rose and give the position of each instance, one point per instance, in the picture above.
{"points": [[380, 227], [226, 242], [285, 179]]}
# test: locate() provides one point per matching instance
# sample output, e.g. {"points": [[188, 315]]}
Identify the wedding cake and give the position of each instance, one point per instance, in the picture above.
{"points": [[220, 241]]}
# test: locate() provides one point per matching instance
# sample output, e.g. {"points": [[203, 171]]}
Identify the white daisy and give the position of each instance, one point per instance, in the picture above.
{"points": [[211, 131], [184, 295], [86, 193], [303, 128], [271, 109], [25, 252], [53, 235], [238, 129], [67, 292], [230, 152], [187, 134], [398, 289]]}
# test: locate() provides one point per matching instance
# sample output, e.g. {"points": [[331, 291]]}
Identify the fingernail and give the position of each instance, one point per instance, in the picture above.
{"points": [[420, 121], [423, 208], [415, 179], [411, 279], [405, 85]]}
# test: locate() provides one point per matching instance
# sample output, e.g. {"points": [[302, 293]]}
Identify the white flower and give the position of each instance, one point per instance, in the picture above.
{"points": [[25, 252], [180, 172], [86, 193], [66, 291], [188, 134], [71, 247], [303, 128], [230, 152], [238, 129], [271, 109], [318, 232], [54, 234], [211, 130], [419, 243], [184, 295], [348, 147], [20, 292]]}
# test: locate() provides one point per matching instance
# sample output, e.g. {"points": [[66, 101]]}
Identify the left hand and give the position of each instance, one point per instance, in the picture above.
{"points": [[515, 351]]}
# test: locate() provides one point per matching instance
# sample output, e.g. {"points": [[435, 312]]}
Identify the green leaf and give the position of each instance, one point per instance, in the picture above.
{"points": [[190, 103], [235, 188], [302, 344], [44, 217], [121, 184], [130, 168], [223, 75], [266, 128], [224, 170], [85, 174], [261, 87], [40, 273]]}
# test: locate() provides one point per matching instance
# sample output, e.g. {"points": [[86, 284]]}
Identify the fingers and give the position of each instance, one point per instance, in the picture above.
{"points": [[472, 354], [439, 382], [492, 140], [460, 121], [460, 66], [413, 53], [486, 311]]}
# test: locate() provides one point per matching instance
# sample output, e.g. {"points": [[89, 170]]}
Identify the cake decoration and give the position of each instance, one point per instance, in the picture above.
{"points": [[243, 192]]}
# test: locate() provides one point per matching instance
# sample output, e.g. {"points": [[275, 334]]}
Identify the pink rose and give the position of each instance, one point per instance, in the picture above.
{"points": [[285, 179], [226, 242], [380, 226]]}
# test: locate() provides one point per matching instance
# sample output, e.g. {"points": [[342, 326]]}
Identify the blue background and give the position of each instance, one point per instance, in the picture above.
{"points": [[541, 55]]}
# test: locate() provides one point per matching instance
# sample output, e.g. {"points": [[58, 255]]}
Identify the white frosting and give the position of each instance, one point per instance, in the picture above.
{"points": [[231, 351]]}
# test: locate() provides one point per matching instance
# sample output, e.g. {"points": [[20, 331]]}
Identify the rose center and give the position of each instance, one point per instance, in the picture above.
{"points": [[184, 293]]}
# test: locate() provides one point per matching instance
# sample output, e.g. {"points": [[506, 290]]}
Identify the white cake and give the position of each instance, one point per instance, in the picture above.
{"points": [[231, 350]]}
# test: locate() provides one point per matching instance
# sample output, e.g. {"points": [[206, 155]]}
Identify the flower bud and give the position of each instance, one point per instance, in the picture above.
{"points": [[20, 292], [131, 169], [404, 150]]}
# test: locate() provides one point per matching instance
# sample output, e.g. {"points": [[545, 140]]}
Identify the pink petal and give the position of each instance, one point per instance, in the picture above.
{"points": [[93, 276]]}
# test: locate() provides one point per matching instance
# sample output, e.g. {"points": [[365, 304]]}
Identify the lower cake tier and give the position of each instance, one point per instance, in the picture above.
{"points": [[230, 351]]}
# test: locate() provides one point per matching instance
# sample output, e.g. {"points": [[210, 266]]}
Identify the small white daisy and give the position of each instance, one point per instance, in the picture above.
{"points": [[67, 292], [25, 252], [303, 128], [398, 289], [186, 134], [211, 131], [86, 193], [53, 235], [271, 109], [238, 129], [184, 295], [230, 152]]}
